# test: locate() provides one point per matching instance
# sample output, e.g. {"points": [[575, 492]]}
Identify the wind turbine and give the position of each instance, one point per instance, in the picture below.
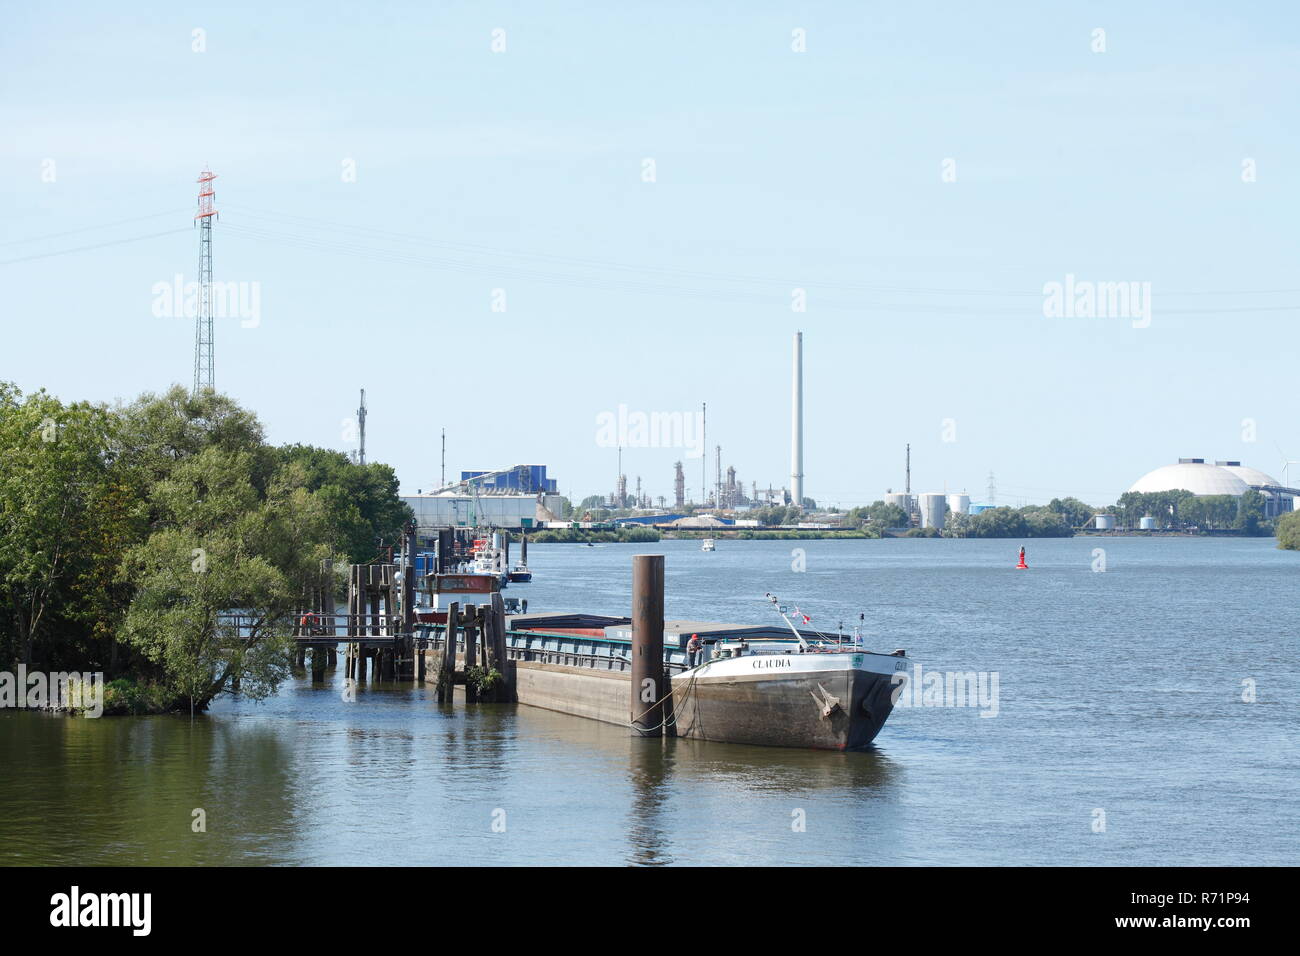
{"points": [[1286, 465]]}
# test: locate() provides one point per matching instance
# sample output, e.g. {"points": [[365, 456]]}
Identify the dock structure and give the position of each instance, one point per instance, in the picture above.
{"points": [[378, 628], [640, 672], [461, 635], [469, 647]]}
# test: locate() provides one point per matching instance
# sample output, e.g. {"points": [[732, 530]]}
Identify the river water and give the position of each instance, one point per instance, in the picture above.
{"points": [[1121, 735]]}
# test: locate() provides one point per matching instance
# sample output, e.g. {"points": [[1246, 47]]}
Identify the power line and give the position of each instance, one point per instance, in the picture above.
{"points": [[98, 245], [99, 225]]}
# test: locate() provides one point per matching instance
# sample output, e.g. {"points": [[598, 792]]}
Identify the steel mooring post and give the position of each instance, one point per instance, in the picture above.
{"points": [[648, 684]]}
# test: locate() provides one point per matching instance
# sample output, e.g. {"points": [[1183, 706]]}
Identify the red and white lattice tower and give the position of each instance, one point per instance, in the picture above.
{"points": [[203, 323]]}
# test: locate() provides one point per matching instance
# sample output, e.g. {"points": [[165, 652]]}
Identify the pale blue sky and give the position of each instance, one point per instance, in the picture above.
{"points": [[522, 170]]}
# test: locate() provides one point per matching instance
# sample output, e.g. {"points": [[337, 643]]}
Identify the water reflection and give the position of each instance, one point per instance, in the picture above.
{"points": [[650, 767]]}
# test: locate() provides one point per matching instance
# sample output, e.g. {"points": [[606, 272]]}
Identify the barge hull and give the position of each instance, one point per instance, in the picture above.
{"points": [[789, 711]]}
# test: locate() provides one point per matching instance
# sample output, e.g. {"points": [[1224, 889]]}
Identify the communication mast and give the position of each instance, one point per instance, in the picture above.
{"points": [[203, 322]]}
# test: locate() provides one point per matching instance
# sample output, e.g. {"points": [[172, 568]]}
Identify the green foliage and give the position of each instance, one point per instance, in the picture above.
{"points": [[1288, 531], [879, 516], [1029, 522], [1250, 513], [777, 515], [361, 501], [1183, 511], [129, 536], [1073, 512], [56, 475], [1165, 506], [485, 679], [124, 696]]}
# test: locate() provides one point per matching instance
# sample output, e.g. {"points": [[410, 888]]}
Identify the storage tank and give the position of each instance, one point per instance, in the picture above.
{"points": [[1147, 524], [959, 504], [1105, 522], [932, 506], [901, 500]]}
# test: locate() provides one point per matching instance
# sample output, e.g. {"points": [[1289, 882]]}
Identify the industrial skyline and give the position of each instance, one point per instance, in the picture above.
{"points": [[918, 269]]}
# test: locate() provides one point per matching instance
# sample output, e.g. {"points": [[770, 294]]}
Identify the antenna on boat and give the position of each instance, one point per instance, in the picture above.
{"points": [[771, 598]]}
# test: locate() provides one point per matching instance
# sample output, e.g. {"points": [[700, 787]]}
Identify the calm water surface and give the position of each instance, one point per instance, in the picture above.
{"points": [[1119, 691]]}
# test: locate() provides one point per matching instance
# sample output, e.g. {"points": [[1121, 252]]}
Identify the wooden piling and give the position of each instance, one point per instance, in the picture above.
{"points": [[317, 663], [506, 689], [498, 612], [408, 604], [648, 686], [473, 620], [447, 672]]}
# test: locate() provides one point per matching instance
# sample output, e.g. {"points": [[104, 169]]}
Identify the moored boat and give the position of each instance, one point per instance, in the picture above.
{"points": [[781, 697], [756, 684]]}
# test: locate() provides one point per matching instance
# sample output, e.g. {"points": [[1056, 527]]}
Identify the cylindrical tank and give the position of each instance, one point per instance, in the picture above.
{"points": [[931, 506], [959, 504], [901, 500], [1105, 522], [1147, 524]]}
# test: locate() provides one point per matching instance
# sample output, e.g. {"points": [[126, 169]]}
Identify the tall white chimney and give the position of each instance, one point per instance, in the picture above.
{"points": [[796, 425]]}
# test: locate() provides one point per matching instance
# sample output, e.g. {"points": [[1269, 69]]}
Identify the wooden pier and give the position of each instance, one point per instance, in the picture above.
{"points": [[384, 641]]}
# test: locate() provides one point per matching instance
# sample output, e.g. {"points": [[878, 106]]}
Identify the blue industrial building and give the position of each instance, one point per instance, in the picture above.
{"points": [[515, 480]]}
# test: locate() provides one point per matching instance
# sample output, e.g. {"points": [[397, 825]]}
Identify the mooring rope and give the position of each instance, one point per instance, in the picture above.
{"points": [[667, 721]]}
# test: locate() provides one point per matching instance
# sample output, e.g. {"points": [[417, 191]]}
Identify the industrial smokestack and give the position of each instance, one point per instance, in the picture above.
{"points": [[796, 425]]}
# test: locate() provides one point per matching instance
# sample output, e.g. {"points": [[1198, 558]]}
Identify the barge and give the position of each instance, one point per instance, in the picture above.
{"points": [[777, 685], [754, 684]]}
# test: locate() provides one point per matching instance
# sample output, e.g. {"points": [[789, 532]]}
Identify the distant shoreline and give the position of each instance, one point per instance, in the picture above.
{"points": [[759, 534]]}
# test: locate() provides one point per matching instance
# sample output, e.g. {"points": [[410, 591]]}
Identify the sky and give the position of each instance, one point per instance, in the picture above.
{"points": [[509, 219]]}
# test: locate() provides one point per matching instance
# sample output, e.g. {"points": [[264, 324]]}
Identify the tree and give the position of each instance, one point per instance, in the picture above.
{"points": [[55, 466], [224, 548], [135, 534], [1250, 512], [888, 515], [361, 501], [1288, 531], [1074, 512]]}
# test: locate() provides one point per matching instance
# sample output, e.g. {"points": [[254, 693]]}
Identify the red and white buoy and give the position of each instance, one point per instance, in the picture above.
{"points": [[1022, 561]]}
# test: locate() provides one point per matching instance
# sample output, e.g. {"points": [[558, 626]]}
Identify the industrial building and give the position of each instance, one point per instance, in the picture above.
{"points": [[483, 511], [517, 479], [1201, 478], [521, 496]]}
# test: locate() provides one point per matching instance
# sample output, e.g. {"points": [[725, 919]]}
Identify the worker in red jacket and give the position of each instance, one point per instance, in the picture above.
{"points": [[694, 649]]}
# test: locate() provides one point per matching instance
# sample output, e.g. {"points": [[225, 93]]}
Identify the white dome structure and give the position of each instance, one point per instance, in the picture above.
{"points": [[1198, 477], [1251, 476]]}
